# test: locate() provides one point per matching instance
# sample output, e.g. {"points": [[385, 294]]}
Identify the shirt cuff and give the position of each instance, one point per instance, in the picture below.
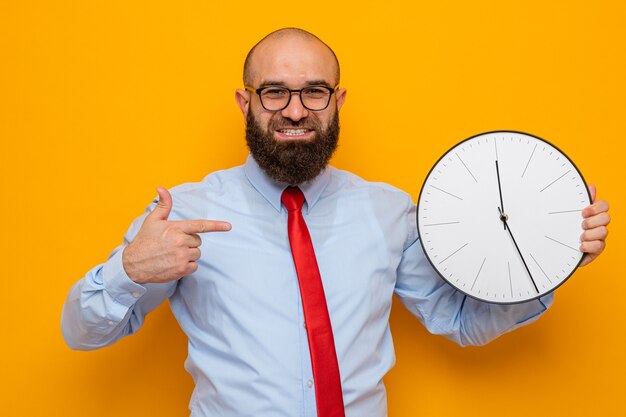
{"points": [[118, 284]]}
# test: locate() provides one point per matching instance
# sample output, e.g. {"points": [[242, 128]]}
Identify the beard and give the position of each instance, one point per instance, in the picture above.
{"points": [[292, 161]]}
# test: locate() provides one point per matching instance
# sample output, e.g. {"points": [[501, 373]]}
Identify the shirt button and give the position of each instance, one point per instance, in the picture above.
{"points": [[309, 383], [110, 323], [135, 294]]}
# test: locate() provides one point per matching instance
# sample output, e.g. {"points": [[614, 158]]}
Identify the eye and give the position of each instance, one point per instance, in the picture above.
{"points": [[274, 92], [315, 92]]}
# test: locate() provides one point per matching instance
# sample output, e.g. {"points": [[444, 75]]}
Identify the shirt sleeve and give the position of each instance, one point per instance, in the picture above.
{"points": [[444, 310], [106, 305]]}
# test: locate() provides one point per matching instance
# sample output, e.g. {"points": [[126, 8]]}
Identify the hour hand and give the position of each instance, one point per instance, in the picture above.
{"points": [[500, 192]]}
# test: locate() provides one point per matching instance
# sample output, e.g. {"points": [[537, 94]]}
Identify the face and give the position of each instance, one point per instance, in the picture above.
{"points": [[295, 144], [292, 161]]}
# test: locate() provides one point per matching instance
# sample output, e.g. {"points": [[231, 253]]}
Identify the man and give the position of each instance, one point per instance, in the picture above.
{"points": [[258, 345]]}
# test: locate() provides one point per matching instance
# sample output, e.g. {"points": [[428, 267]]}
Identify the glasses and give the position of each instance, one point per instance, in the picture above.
{"points": [[276, 98]]}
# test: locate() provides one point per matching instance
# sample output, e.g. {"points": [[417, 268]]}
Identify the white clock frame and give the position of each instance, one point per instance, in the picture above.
{"points": [[499, 216]]}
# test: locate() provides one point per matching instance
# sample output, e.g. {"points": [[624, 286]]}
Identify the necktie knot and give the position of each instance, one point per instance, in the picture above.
{"points": [[292, 198]]}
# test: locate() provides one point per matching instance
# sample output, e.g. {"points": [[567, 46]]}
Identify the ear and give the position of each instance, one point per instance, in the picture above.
{"points": [[340, 97], [242, 97]]}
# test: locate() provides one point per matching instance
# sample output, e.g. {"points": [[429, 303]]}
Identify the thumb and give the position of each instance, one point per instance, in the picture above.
{"points": [[163, 207]]}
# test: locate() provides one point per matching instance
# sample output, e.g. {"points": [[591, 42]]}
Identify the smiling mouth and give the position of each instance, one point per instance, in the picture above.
{"points": [[294, 132]]}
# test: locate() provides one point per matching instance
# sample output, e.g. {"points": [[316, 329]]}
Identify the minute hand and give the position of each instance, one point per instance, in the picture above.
{"points": [[503, 217]]}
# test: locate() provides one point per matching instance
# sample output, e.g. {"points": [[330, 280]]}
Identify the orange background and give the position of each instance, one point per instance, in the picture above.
{"points": [[100, 102]]}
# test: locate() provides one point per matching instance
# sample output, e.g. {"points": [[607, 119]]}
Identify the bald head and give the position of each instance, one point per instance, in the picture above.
{"points": [[287, 38]]}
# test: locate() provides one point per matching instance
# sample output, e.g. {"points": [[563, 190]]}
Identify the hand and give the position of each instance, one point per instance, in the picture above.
{"points": [[500, 192], [504, 218], [165, 250], [596, 219]]}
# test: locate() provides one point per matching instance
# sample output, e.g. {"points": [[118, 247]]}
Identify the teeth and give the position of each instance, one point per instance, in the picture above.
{"points": [[293, 132]]}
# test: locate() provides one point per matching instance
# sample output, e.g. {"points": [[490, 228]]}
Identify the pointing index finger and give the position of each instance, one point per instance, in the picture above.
{"points": [[203, 226]]}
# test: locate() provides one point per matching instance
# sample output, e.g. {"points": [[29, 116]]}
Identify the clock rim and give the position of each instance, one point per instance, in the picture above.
{"points": [[417, 211]]}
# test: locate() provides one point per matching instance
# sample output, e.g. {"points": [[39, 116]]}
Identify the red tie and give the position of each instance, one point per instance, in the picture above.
{"points": [[319, 331]]}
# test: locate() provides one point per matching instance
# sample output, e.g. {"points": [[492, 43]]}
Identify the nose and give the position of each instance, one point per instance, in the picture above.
{"points": [[295, 110]]}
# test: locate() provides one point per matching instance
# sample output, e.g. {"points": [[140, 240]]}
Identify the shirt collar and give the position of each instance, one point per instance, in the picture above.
{"points": [[273, 190]]}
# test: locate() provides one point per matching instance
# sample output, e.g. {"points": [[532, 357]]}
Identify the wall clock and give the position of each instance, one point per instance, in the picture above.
{"points": [[499, 216]]}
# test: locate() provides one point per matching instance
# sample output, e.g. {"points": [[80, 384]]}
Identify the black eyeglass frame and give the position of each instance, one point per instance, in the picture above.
{"points": [[258, 91]]}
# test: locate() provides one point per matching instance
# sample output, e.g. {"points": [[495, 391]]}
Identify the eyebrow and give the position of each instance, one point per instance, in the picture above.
{"points": [[270, 83]]}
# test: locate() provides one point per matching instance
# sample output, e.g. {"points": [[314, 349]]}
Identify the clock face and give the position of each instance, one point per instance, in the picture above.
{"points": [[499, 217]]}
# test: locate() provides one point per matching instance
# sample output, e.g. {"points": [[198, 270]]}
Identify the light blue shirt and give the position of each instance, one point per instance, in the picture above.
{"points": [[241, 310]]}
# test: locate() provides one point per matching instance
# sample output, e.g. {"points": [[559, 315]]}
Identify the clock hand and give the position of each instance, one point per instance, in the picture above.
{"points": [[504, 219], [500, 191]]}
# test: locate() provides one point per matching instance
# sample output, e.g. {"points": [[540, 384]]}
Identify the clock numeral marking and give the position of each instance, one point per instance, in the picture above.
{"points": [[544, 272], [441, 224], [531, 157], [453, 253], [470, 172], [554, 181], [444, 191], [561, 243], [565, 211], [480, 269]]}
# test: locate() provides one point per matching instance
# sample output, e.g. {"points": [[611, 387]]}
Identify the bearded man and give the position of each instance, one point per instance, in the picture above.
{"points": [[287, 313]]}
